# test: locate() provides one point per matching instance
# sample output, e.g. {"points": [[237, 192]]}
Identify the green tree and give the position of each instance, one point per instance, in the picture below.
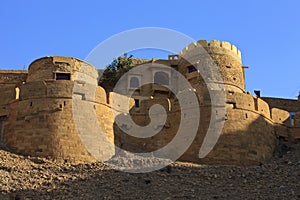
{"points": [[114, 71]]}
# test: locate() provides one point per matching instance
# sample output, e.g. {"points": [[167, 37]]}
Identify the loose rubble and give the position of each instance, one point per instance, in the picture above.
{"points": [[24, 177]]}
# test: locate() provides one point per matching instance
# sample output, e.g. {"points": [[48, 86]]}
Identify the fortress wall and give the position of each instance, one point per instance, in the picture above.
{"points": [[248, 135], [94, 123], [62, 88], [247, 138], [248, 102], [289, 105], [280, 111], [100, 95], [280, 116], [118, 102], [8, 93], [9, 80], [41, 124], [47, 118], [45, 126], [28, 131], [165, 132], [50, 113], [263, 108], [13, 77], [105, 117], [38, 89], [244, 140], [146, 104], [46, 131]]}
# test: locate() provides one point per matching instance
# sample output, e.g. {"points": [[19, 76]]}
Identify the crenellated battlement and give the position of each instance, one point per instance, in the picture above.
{"points": [[213, 43]]}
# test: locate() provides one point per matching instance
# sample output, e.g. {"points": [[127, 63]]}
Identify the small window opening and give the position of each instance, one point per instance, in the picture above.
{"points": [[292, 121], [17, 90], [246, 115], [30, 104], [63, 76], [191, 69], [256, 104], [228, 66], [137, 103], [232, 105]]}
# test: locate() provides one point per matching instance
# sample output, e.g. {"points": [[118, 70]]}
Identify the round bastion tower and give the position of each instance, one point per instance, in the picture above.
{"points": [[247, 135], [42, 122], [204, 56]]}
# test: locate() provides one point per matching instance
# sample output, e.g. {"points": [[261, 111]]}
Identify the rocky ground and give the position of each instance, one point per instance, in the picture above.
{"points": [[36, 178]]}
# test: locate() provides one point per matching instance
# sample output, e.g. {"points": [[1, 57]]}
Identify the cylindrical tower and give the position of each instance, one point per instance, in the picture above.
{"points": [[247, 135], [42, 122], [206, 56], [61, 68]]}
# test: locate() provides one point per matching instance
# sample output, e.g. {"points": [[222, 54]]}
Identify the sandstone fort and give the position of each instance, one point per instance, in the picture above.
{"points": [[37, 109]]}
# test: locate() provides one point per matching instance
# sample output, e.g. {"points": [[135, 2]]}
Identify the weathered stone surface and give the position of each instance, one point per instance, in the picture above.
{"points": [[46, 116]]}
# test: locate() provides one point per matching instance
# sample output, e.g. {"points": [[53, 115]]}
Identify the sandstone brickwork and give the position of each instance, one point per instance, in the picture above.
{"points": [[56, 109], [248, 135]]}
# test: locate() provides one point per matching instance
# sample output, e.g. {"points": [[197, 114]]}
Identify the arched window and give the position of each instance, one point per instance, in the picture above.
{"points": [[134, 82], [161, 78]]}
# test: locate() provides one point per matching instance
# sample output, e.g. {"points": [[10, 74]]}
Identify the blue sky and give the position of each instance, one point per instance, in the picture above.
{"points": [[267, 32]]}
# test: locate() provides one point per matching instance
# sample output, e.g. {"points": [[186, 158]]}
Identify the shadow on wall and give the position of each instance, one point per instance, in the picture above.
{"points": [[247, 138], [142, 145], [244, 142]]}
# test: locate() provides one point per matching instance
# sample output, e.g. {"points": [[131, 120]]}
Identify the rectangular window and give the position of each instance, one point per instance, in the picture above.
{"points": [[292, 121], [192, 69], [63, 76], [137, 103], [255, 104]]}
